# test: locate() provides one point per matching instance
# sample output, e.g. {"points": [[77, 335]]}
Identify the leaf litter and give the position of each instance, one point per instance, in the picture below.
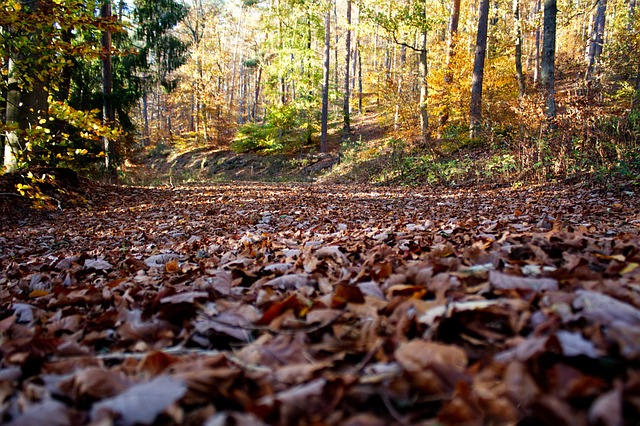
{"points": [[325, 305]]}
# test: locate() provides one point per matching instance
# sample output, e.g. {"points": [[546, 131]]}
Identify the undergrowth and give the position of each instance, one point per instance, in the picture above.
{"points": [[587, 143]]}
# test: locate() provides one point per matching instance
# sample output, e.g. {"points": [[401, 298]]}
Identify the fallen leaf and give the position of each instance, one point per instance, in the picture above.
{"points": [[142, 403]]}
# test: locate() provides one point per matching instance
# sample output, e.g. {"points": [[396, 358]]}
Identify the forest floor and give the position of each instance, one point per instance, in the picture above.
{"points": [[314, 304]]}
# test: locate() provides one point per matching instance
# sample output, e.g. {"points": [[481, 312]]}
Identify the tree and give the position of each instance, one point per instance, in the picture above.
{"points": [[452, 35], [475, 112], [518, 50], [547, 71], [408, 26], [27, 93], [597, 38], [325, 85], [108, 116], [160, 51], [346, 130]]}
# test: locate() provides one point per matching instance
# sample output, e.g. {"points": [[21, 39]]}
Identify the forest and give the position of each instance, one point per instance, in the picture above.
{"points": [[319, 212]]}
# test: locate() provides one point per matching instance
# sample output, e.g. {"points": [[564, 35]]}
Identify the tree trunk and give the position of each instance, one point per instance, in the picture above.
{"points": [[424, 112], [537, 65], [597, 38], [145, 118], [518, 54], [234, 63], [346, 129], [256, 94], [27, 103], [107, 85], [65, 82], [325, 88], [547, 71], [635, 104], [475, 111], [452, 35], [359, 82]]}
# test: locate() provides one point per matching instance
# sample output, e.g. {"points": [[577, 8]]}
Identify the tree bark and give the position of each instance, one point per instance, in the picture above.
{"points": [[452, 35], [325, 87], [346, 129], [536, 70], [256, 94], [547, 71], [424, 91], [635, 104], [475, 111], [108, 116], [26, 102], [145, 119], [359, 82], [518, 52], [597, 38]]}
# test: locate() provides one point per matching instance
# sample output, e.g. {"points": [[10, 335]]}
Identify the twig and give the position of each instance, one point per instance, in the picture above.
{"points": [[175, 351], [392, 410]]}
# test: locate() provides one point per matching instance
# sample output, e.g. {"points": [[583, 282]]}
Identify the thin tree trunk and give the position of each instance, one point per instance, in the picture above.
{"points": [[243, 85], [107, 85], [145, 117], [424, 112], [547, 71], [635, 104], [257, 94], [335, 47], [346, 129], [325, 88], [235, 56], [536, 71], [359, 82], [475, 111], [354, 62], [25, 106], [518, 53], [452, 35], [597, 38]]}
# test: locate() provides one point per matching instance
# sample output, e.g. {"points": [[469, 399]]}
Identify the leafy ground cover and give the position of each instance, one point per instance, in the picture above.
{"points": [[312, 304]]}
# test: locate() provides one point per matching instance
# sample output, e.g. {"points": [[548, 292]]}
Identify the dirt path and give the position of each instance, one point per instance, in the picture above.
{"points": [[310, 304]]}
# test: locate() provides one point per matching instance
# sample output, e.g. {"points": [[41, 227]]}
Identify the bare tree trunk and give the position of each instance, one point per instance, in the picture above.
{"points": [[235, 56], [423, 71], [536, 71], [325, 88], [635, 104], [256, 94], [518, 54], [335, 47], [547, 71], [145, 118], [452, 35], [27, 101], [108, 116], [475, 111], [243, 86], [346, 129], [597, 38], [359, 82]]}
